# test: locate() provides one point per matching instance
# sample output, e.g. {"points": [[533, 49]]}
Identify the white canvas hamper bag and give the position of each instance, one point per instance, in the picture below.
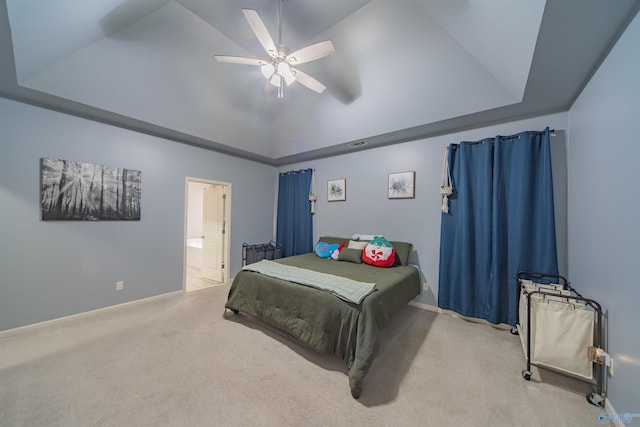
{"points": [[529, 286], [563, 332]]}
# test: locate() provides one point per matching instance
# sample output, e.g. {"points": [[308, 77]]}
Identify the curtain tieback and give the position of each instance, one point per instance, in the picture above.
{"points": [[446, 188], [312, 192]]}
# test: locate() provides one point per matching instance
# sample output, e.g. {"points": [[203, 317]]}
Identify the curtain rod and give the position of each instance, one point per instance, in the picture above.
{"points": [[298, 171], [551, 131]]}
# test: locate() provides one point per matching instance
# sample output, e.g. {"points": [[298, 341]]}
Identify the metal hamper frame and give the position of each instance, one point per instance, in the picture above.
{"points": [[599, 379]]}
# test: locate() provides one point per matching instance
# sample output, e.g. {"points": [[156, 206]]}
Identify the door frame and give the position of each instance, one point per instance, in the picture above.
{"points": [[227, 219]]}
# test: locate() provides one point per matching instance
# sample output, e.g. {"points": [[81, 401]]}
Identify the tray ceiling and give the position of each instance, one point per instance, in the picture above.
{"points": [[403, 69]]}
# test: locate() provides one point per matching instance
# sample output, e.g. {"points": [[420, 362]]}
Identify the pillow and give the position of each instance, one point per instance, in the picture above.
{"points": [[379, 252], [366, 237], [356, 245], [350, 255], [324, 250], [403, 250]]}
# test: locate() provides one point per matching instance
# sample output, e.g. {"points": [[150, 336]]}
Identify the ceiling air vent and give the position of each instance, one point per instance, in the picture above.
{"points": [[357, 144]]}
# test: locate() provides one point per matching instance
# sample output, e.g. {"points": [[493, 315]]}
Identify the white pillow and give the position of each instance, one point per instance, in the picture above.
{"points": [[367, 237], [357, 245]]}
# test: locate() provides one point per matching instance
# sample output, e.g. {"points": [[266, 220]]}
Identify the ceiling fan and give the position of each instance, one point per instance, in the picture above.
{"points": [[278, 68]]}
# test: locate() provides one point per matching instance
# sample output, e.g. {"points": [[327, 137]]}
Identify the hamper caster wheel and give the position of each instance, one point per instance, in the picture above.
{"points": [[526, 375], [595, 399], [514, 331]]}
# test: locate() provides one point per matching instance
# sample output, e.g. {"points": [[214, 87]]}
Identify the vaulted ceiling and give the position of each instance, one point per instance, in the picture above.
{"points": [[402, 70]]}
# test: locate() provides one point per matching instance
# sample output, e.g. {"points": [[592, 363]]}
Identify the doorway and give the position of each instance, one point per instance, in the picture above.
{"points": [[207, 222]]}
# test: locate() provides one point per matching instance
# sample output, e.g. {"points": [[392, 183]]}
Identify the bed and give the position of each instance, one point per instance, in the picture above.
{"points": [[321, 320]]}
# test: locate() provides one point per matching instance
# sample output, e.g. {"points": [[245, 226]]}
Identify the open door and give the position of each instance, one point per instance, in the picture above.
{"points": [[214, 230]]}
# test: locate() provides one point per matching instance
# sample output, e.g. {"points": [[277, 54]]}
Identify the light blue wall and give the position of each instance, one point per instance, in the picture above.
{"points": [[604, 204], [52, 269], [367, 209]]}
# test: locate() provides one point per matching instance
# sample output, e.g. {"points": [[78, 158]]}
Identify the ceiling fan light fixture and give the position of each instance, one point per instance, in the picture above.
{"points": [[276, 80], [285, 71], [267, 70]]}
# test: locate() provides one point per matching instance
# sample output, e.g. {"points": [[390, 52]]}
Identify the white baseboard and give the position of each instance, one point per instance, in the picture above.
{"points": [[425, 306], [613, 415], [454, 314], [10, 332], [618, 420]]}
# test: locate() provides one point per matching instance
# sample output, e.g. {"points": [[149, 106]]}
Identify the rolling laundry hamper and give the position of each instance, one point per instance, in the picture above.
{"points": [[255, 253], [557, 327]]}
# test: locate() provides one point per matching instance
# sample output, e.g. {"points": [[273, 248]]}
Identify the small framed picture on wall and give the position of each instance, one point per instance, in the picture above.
{"points": [[337, 190], [401, 185]]}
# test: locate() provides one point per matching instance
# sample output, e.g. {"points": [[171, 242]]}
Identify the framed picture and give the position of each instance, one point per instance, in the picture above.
{"points": [[337, 190], [84, 191], [401, 185]]}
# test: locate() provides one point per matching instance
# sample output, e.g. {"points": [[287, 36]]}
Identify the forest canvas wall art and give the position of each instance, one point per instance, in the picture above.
{"points": [[83, 191]]}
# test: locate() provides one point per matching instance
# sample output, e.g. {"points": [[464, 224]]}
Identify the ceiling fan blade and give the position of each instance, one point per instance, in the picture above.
{"points": [[311, 53], [261, 32], [308, 81], [240, 60]]}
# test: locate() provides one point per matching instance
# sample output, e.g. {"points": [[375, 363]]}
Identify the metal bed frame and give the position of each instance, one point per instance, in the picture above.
{"points": [[255, 253]]}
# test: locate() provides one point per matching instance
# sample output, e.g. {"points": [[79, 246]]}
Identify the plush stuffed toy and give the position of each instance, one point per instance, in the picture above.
{"points": [[379, 252], [324, 250], [334, 254]]}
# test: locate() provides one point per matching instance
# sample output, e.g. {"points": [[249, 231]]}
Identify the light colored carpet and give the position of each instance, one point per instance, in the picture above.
{"points": [[180, 361]]}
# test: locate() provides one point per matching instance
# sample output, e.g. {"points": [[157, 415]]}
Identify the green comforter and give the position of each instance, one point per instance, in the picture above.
{"points": [[342, 287], [323, 321]]}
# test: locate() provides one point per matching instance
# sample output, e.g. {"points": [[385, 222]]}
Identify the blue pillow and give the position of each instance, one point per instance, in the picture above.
{"points": [[324, 249]]}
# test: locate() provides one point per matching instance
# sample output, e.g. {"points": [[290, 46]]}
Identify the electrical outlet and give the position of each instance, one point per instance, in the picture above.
{"points": [[119, 286], [425, 286]]}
